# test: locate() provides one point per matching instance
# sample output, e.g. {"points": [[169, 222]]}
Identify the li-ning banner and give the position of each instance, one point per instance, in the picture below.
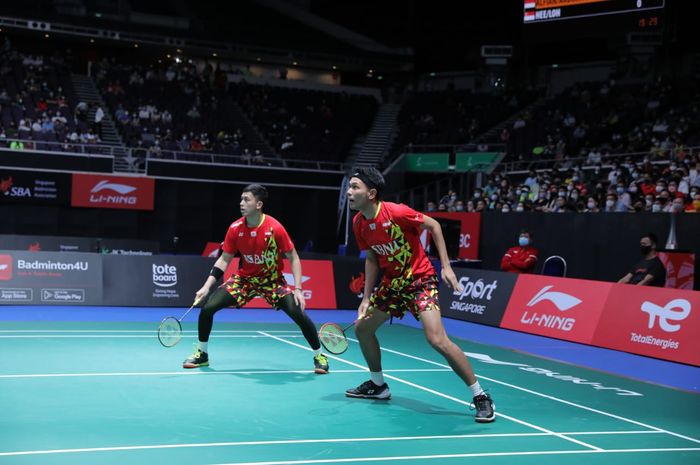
{"points": [[483, 296], [556, 307], [103, 191], [34, 187], [50, 278], [153, 281]]}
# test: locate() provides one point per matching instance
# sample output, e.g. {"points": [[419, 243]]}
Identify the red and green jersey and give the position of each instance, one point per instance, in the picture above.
{"points": [[394, 236], [261, 247]]}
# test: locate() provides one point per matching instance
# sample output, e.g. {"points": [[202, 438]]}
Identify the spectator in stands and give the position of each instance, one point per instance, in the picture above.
{"points": [[430, 206], [521, 258], [650, 271]]}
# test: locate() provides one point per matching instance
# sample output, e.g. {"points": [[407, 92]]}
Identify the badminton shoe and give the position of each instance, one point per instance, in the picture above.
{"points": [[485, 409], [197, 359], [320, 364], [369, 390]]}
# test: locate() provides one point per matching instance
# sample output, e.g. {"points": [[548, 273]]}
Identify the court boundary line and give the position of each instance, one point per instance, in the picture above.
{"points": [[194, 373], [446, 396], [451, 456], [307, 441], [547, 396]]}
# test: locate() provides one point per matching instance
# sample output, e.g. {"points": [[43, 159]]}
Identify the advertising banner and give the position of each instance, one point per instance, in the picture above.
{"points": [[556, 307], [680, 269], [469, 236], [50, 278], [656, 322], [317, 282], [349, 274], [47, 243], [153, 281], [106, 191], [34, 187], [483, 298]]}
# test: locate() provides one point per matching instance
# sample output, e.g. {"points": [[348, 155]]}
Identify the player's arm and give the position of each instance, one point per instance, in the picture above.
{"points": [[295, 262], [436, 231], [217, 271], [625, 279], [371, 274], [647, 280]]}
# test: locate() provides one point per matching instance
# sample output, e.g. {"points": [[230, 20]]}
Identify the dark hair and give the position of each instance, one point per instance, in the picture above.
{"points": [[258, 191], [652, 237], [371, 177], [525, 231]]}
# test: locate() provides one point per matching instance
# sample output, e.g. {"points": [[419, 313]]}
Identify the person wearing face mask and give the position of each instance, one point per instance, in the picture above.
{"points": [[650, 271], [459, 206], [694, 205], [521, 258], [592, 205]]}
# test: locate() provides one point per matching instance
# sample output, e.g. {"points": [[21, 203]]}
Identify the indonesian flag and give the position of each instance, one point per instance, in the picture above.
{"points": [[530, 4], [529, 16]]}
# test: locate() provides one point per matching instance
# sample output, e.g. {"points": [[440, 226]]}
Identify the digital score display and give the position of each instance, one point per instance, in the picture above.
{"points": [[538, 11]]}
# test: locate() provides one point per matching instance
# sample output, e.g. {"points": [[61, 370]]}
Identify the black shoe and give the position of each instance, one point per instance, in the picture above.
{"points": [[197, 359], [369, 390], [320, 364], [485, 410]]}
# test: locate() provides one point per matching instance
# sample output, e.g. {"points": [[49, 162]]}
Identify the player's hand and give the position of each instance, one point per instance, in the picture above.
{"points": [[201, 294], [449, 277], [299, 299], [363, 310]]}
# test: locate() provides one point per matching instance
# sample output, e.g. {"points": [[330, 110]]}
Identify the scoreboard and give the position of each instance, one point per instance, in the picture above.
{"points": [[538, 11]]}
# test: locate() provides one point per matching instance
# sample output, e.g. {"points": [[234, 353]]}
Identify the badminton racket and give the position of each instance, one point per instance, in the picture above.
{"points": [[170, 329], [333, 337]]}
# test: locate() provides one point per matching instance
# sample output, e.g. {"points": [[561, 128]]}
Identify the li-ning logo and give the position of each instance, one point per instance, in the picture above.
{"points": [[560, 300], [667, 312], [120, 188]]}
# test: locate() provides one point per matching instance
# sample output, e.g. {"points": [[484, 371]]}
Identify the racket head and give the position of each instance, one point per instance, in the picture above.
{"points": [[169, 331], [333, 338]]}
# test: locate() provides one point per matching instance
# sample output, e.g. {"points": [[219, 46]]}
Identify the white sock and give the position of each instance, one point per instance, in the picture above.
{"points": [[317, 351], [203, 346], [476, 389], [377, 377]]}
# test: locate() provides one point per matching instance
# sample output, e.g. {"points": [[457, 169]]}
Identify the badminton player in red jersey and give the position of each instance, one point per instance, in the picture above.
{"points": [[389, 234], [261, 241]]}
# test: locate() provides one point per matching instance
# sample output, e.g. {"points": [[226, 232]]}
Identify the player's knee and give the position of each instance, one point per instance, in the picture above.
{"points": [[363, 328], [440, 342]]}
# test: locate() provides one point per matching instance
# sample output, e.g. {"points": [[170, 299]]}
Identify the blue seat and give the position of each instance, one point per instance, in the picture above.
{"points": [[554, 266]]}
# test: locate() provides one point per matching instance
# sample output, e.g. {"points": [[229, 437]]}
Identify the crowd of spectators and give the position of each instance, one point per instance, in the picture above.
{"points": [[38, 109], [625, 186]]}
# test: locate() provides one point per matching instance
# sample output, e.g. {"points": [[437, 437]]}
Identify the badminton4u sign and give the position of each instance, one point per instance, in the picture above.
{"points": [[102, 191]]}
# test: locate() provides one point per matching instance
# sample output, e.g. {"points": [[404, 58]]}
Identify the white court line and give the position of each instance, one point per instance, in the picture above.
{"points": [[454, 456], [300, 441], [135, 331], [546, 396], [128, 336], [440, 394], [195, 373]]}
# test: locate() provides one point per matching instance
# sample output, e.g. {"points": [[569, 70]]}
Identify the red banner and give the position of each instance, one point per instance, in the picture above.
{"points": [[317, 282], [556, 307], [680, 269], [104, 191], [469, 235], [656, 322]]}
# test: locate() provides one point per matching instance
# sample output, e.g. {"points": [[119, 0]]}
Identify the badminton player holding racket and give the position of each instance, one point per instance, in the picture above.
{"points": [[262, 242], [389, 233]]}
